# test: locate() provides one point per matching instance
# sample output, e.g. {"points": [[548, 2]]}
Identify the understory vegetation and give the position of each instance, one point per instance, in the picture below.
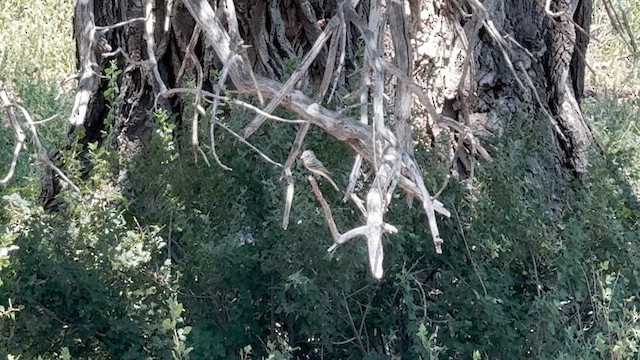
{"points": [[191, 261]]}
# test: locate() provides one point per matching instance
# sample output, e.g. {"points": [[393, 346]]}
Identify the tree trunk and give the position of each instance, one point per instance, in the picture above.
{"points": [[510, 61]]}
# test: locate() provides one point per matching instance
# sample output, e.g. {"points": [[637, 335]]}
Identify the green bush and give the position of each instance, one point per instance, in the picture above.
{"points": [[191, 260]]}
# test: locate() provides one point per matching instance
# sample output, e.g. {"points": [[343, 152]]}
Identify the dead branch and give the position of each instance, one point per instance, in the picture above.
{"points": [[288, 198], [159, 84], [17, 129], [214, 114], [287, 174], [360, 136], [197, 109], [41, 152], [212, 97], [91, 42], [192, 44], [293, 79], [325, 208]]}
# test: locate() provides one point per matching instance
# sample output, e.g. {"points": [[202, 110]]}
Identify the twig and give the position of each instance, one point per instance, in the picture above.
{"points": [[52, 117], [483, 16], [288, 198], [451, 164], [197, 109], [364, 316], [535, 271], [353, 177], [63, 82], [41, 150], [466, 133], [427, 201], [543, 107], [167, 17], [131, 63], [212, 97], [287, 173], [424, 298], [263, 113], [547, 10], [237, 47], [204, 156], [214, 115], [325, 208], [329, 67], [344, 342], [359, 204], [343, 46], [294, 78], [120, 24], [192, 44], [150, 40], [20, 136], [466, 246], [356, 334], [356, 169], [242, 140]]}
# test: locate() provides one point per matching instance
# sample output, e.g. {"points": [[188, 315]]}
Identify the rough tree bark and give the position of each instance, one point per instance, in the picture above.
{"points": [[500, 59], [479, 66]]}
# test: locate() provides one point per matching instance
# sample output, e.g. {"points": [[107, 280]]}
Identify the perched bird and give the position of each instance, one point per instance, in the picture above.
{"points": [[314, 165]]}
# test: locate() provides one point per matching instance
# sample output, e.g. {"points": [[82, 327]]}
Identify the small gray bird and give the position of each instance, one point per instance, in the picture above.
{"points": [[314, 165]]}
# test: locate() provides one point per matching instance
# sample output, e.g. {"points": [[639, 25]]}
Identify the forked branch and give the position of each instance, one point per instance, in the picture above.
{"points": [[378, 144]]}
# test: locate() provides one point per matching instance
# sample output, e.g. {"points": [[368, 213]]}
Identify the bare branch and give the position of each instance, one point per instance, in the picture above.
{"points": [[192, 44], [151, 51], [294, 78], [197, 109], [251, 146], [325, 208], [353, 177], [360, 136], [212, 97], [288, 199], [427, 202], [287, 173], [120, 24], [17, 129], [214, 114], [43, 155]]}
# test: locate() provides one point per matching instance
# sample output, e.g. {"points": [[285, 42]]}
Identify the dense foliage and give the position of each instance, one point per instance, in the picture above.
{"points": [[191, 260]]}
